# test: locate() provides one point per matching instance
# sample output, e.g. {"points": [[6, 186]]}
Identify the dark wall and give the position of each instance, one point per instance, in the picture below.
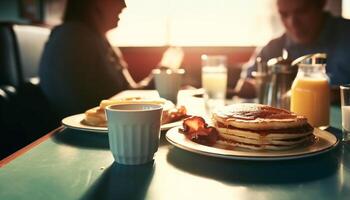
{"points": [[9, 10], [22, 11]]}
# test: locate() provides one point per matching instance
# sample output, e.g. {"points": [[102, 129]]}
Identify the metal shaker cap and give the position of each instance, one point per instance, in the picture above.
{"points": [[280, 65], [311, 59]]}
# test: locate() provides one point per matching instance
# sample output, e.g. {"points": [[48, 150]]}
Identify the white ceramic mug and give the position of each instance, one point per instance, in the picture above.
{"points": [[168, 82], [134, 132]]}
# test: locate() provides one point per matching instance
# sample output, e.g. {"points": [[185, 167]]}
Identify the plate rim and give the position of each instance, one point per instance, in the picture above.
{"points": [[206, 150], [82, 127]]}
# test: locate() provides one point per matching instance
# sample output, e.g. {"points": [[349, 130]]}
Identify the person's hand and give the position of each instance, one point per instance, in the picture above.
{"points": [[172, 58], [245, 88]]}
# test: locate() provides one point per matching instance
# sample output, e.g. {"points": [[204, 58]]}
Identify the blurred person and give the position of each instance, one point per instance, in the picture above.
{"points": [[308, 29], [79, 67]]}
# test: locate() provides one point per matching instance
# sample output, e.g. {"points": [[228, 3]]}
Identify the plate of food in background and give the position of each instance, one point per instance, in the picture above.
{"points": [[94, 119]]}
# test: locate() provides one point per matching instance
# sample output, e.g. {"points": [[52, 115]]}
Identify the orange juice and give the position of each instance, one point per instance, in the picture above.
{"points": [[310, 98]]}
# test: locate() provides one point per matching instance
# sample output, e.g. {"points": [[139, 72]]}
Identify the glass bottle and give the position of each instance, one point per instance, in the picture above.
{"points": [[311, 91]]}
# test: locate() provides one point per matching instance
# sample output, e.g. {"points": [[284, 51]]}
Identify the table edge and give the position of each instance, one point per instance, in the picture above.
{"points": [[25, 149]]}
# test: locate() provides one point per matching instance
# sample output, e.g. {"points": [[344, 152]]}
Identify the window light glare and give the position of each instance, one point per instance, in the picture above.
{"points": [[196, 23]]}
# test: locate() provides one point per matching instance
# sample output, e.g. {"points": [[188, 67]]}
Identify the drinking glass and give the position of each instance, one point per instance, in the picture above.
{"points": [[345, 110], [214, 80]]}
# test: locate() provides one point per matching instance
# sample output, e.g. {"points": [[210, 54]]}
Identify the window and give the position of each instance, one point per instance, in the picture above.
{"points": [[346, 9], [196, 23]]}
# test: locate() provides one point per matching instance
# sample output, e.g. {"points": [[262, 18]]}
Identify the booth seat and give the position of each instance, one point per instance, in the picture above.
{"points": [[25, 114]]}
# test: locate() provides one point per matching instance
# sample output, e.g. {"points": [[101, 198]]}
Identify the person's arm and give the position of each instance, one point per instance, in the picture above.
{"points": [[245, 86], [132, 83], [137, 85], [172, 58]]}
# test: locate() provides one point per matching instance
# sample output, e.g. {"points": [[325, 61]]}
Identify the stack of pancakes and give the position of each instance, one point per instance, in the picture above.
{"points": [[258, 127]]}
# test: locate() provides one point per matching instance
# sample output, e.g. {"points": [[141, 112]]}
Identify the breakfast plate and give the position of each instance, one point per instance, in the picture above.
{"points": [[75, 122], [324, 142]]}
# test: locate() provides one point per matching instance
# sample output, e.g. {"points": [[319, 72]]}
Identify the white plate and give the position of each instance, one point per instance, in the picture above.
{"points": [[325, 141], [74, 122]]}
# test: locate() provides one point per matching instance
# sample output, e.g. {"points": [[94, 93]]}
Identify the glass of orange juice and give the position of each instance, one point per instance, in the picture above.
{"points": [[310, 95]]}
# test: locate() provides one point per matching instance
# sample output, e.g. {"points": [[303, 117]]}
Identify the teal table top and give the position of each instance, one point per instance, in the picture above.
{"points": [[78, 165]]}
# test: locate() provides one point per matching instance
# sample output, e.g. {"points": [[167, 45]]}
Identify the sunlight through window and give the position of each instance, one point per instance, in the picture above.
{"points": [[196, 23], [346, 9]]}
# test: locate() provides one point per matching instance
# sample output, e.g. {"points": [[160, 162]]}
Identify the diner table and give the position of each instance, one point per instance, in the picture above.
{"points": [[74, 164]]}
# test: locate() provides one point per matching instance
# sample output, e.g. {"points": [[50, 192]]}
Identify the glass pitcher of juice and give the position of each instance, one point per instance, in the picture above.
{"points": [[310, 94]]}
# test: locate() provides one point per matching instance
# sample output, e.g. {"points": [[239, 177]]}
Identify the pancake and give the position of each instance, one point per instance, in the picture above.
{"points": [[259, 127], [257, 117], [229, 144], [96, 116]]}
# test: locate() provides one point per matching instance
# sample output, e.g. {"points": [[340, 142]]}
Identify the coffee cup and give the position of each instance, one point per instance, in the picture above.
{"points": [[134, 132], [168, 82]]}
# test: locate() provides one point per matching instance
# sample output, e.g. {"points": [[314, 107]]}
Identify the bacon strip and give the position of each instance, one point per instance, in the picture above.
{"points": [[195, 129], [174, 114]]}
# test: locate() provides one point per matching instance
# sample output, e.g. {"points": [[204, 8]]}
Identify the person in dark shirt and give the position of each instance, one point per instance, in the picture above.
{"points": [[309, 29], [79, 68]]}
